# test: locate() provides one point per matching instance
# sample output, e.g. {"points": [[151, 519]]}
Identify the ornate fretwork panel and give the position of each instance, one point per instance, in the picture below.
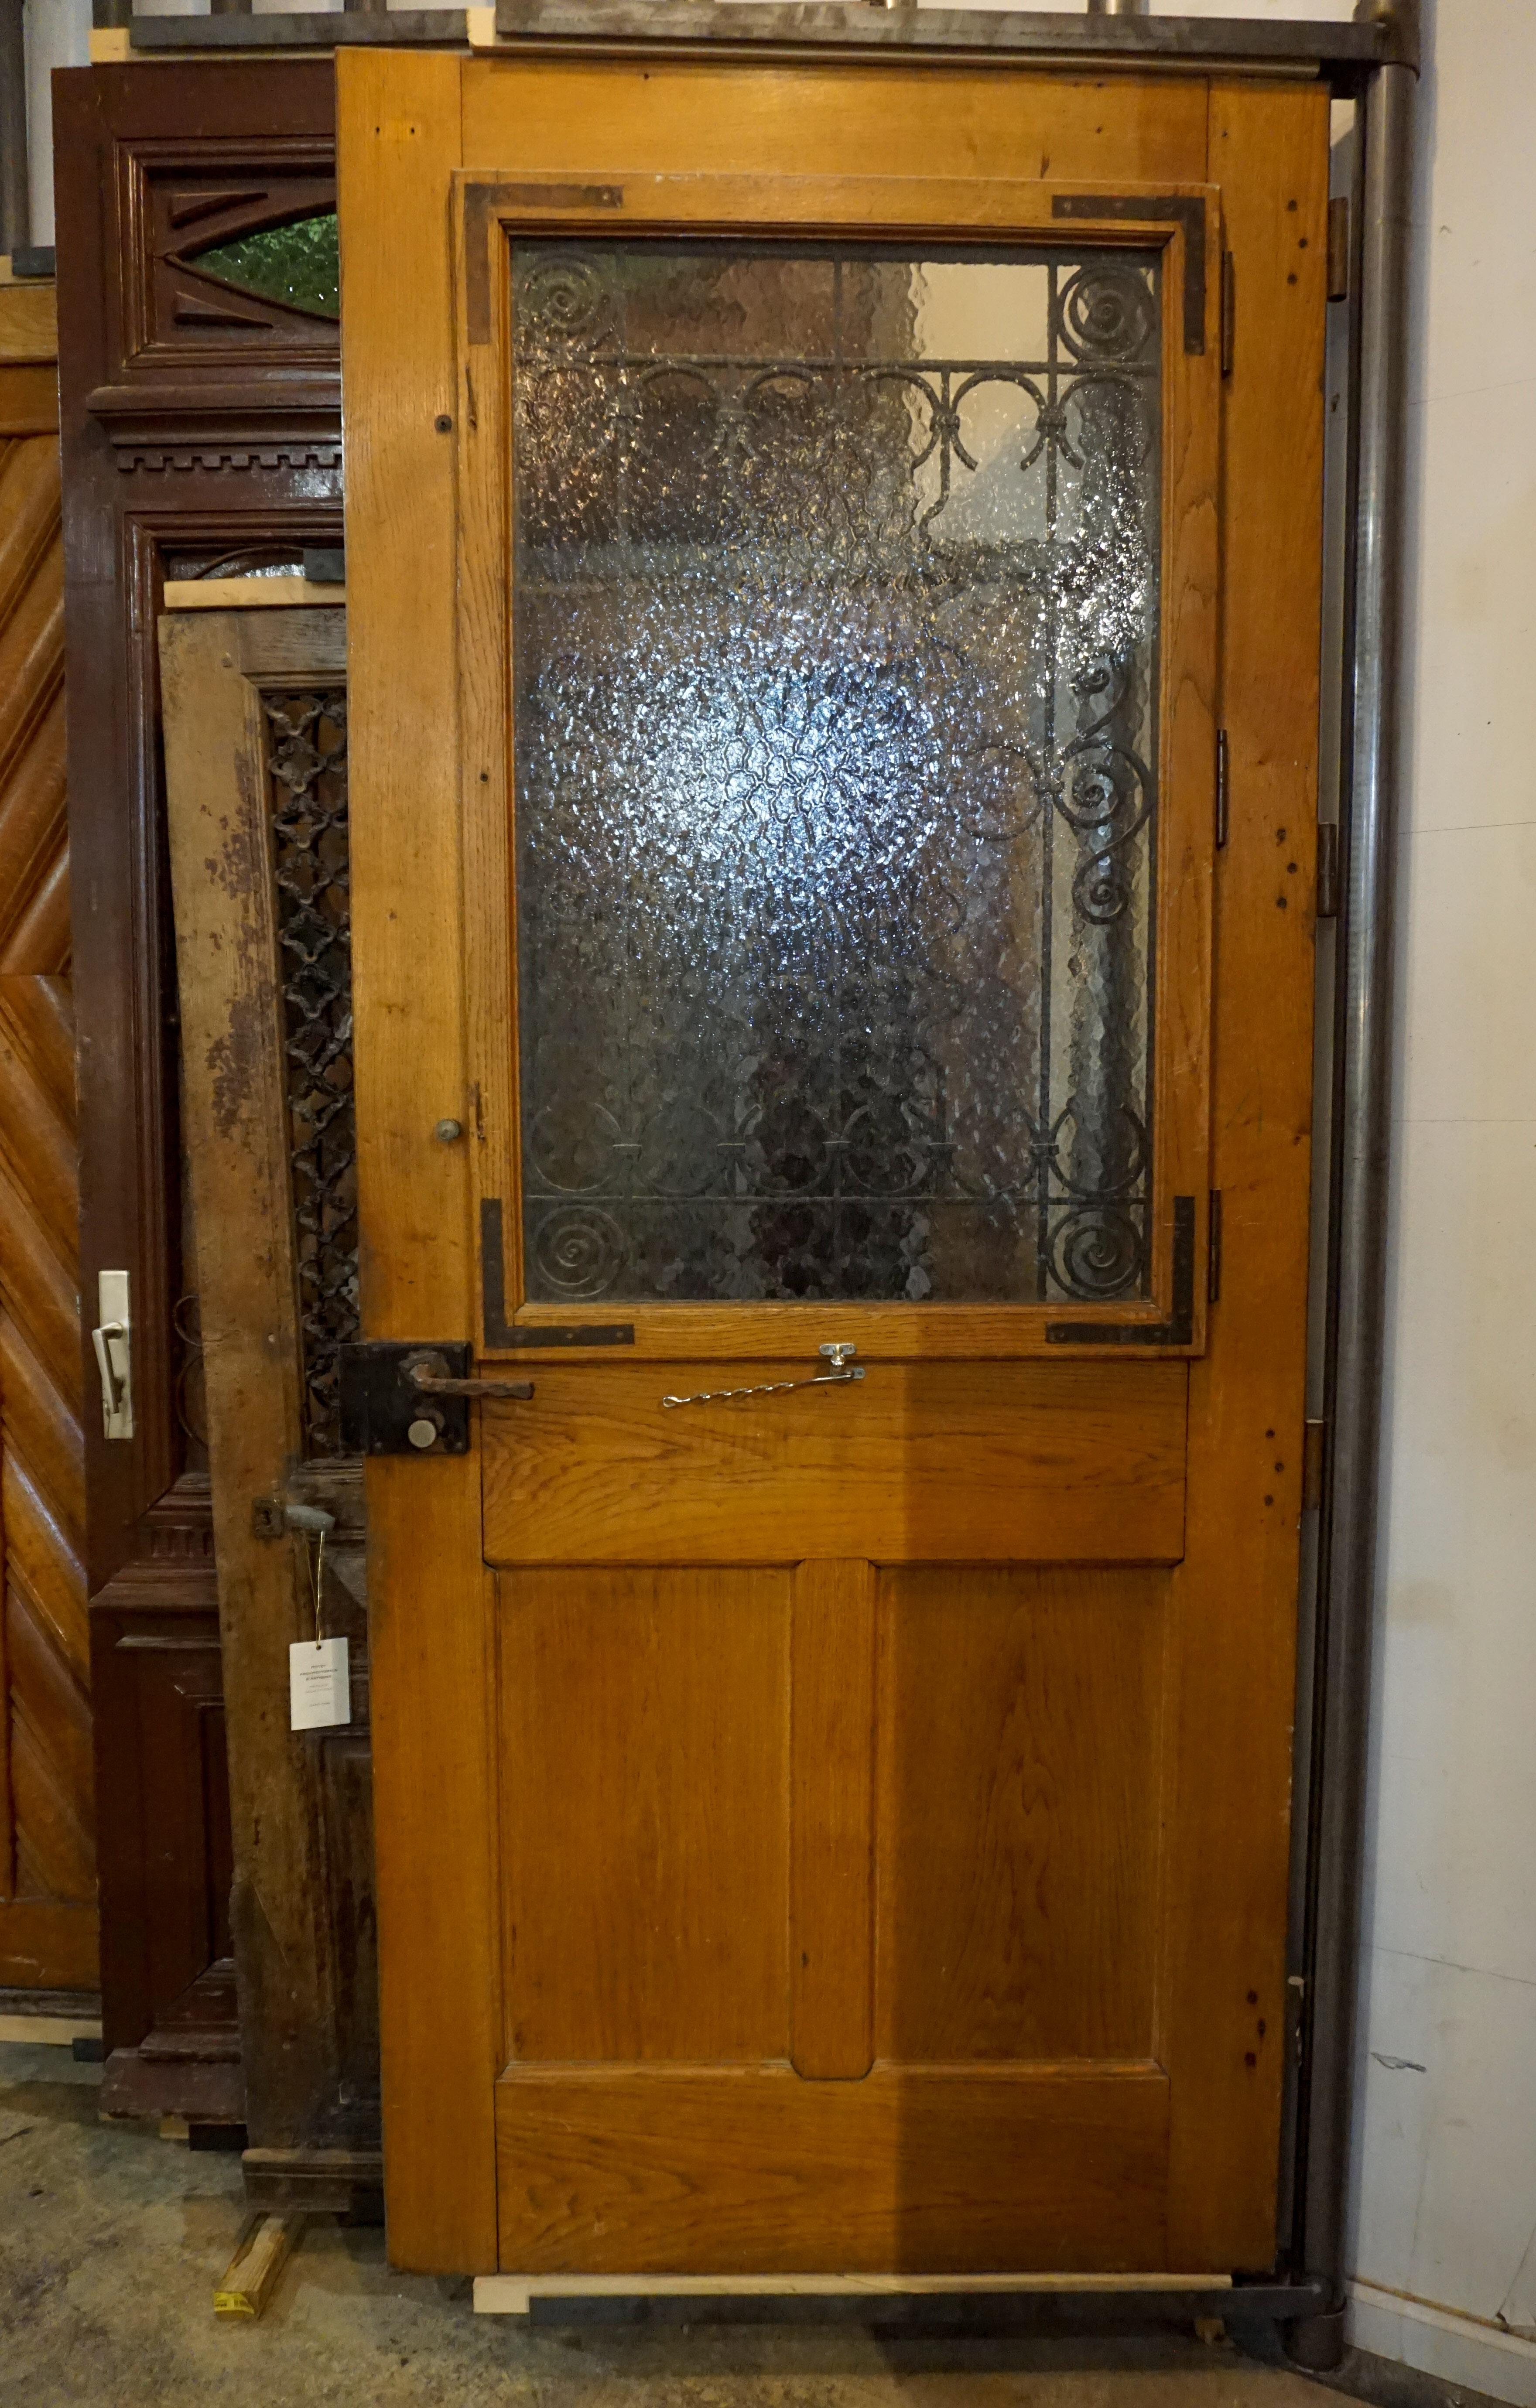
{"points": [[306, 763], [242, 259], [836, 637]]}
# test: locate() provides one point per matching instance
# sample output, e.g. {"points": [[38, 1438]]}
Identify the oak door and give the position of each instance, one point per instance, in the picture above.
{"points": [[827, 1033]]}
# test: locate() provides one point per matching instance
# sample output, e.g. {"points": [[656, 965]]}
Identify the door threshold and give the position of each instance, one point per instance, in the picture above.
{"points": [[513, 2295]]}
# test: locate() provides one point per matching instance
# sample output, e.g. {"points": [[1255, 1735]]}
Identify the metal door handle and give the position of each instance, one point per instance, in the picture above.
{"points": [[112, 1339], [426, 1374]]}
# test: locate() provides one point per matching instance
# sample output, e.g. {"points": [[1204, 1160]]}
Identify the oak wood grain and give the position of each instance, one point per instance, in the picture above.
{"points": [[1018, 1847], [644, 1768], [431, 1607], [706, 118], [237, 1119], [48, 1923], [715, 2170], [832, 1821], [1232, 1626], [934, 1462]]}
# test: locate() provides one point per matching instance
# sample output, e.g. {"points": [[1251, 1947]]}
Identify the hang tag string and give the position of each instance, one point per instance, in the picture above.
{"points": [[318, 1574]]}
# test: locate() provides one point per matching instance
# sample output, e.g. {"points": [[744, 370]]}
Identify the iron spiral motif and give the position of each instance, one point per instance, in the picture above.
{"points": [[307, 768], [836, 642]]}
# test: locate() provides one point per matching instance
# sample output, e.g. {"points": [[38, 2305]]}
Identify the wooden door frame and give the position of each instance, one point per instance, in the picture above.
{"points": [[1180, 224], [1244, 1491]]}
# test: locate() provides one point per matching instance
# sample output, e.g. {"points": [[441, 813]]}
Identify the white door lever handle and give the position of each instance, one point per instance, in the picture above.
{"points": [[112, 1339]]}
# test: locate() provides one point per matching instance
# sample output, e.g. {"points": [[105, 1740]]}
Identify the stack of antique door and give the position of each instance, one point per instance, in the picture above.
{"points": [[831, 1093]]}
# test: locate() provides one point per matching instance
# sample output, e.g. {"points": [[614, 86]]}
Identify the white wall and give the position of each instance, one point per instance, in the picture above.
{"points": [[58, 35], [1444, 2209], [1443, 2225]]}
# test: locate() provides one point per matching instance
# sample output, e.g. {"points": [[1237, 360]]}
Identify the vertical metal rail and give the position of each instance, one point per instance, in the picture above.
{"points": [[15, 191], [1362, 1123]]}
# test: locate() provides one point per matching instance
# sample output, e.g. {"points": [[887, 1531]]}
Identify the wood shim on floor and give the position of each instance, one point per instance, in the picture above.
{"points": [[513, 2295], [252, 2271], [49, 2031]]}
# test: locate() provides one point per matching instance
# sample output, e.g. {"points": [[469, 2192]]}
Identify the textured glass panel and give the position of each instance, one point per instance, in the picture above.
{"points": [[296, 264], [835, 610]]}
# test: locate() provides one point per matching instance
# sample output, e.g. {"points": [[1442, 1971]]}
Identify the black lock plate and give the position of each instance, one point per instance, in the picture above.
{"points": [[378, 1402]]}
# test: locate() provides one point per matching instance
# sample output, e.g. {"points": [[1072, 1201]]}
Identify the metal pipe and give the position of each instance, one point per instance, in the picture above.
{"points": [[15, 191], [1117, 8], [1364, 1037]]}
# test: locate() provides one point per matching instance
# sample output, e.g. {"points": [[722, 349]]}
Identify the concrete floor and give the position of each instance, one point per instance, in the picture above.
{"points": [[111, 2241]]}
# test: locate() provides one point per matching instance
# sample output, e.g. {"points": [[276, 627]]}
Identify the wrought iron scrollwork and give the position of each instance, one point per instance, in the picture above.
{"points": [[307, 770], [836, 712]]}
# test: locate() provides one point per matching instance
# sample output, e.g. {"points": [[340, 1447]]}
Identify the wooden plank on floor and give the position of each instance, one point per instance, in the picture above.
{"points": [[513, 2295], [252, 2272]]}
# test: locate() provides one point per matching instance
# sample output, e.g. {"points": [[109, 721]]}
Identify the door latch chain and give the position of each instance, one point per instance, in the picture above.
{"points": [[836, 1356]]}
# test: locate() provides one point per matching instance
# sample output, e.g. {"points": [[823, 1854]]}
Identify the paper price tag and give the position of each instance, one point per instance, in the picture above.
{"points": [[319, 1684]]}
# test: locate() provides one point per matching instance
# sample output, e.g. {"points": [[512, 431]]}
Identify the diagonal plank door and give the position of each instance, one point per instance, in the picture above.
{"points": [[47, 1917]]}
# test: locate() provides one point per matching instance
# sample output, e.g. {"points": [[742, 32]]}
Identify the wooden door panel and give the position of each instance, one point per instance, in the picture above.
{"points": [[917, 1463], [725, 2170], [1019, 1750], [662, 116], [831, 1820], [638, 1926]]}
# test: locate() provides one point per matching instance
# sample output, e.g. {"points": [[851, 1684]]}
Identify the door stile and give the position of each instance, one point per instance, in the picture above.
{"points": [[832, 1820], [1234, 1595], [431, 1619], [482, 444]]}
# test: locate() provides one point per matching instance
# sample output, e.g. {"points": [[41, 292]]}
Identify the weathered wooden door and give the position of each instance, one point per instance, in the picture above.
{"points": [[814, 537]]}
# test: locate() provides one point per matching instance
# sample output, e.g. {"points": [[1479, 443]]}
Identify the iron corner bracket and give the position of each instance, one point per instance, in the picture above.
{"points": [[1177, 1330], [499, 1331]]}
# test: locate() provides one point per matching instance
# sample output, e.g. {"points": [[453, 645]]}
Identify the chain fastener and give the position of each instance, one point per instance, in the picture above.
{"points": [[837, 1352]]}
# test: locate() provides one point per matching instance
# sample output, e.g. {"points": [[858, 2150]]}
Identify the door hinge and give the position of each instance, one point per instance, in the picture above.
{"points": [[1328, 869], [1213, 1265], [1223, 765], [1339, 248], [1314, 1440], [1229, 309], [1296, 2001]]}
